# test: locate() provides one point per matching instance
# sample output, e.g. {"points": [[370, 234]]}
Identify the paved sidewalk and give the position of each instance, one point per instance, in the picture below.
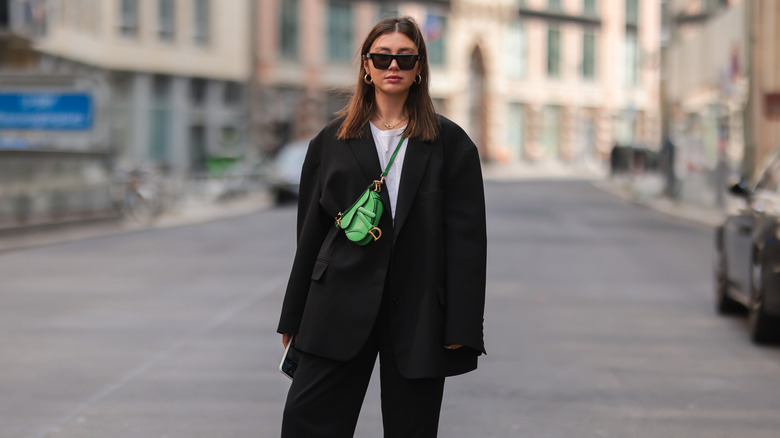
{"points": [[541, 171], [643, 191], [187, 212], [646, 191]]}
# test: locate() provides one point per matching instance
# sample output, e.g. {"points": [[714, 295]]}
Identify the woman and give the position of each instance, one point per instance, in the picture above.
{"points": [[415, 296]]}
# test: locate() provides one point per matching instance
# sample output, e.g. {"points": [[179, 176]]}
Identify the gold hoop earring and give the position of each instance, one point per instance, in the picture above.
{"points": [[418, 79], [368, 79]]}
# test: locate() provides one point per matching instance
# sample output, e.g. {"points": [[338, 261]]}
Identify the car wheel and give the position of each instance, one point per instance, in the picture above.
{"points": [[724, 304], [762, 326]]}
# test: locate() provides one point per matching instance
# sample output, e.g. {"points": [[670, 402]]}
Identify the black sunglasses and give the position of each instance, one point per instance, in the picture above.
{"points": [[382, 61]]}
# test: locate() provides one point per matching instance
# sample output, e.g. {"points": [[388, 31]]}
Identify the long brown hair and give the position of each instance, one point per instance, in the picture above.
{"points": [[423, 121]]}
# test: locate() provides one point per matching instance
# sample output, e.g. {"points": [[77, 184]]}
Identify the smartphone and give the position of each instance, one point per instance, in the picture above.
{"points": [[289, 360]]}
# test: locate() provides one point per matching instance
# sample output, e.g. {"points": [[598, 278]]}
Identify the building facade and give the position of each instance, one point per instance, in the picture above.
{"points": [[534, 81], [763, 108], [706, 94], [175, 72], [158, 82]]}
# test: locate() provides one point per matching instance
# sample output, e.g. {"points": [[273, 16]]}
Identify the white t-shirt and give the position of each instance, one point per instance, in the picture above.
{"points": [[386, 142]]}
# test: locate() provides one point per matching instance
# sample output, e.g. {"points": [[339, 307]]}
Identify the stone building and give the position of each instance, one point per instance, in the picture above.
{"points": [[533, 81], [175, 71], [763, 108], [706, 94], [160, 82]]}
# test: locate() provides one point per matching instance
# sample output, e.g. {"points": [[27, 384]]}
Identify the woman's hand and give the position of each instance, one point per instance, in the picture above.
{"points": [[286, 338], [452, 346]]}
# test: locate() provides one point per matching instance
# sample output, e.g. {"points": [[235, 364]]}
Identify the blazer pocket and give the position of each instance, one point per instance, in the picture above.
{"points": [[442, 295], [319, 269]]}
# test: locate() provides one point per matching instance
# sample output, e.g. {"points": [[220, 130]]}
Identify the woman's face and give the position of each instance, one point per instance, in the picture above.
{"points": [[393, 80]]}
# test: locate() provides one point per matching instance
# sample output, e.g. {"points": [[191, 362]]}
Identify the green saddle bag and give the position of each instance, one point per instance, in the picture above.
{"points": [[361, 221]]}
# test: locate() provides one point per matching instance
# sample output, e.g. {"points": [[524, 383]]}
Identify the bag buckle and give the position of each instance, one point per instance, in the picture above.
{"points": [[338, 220], [376, 237], [378, 184]]}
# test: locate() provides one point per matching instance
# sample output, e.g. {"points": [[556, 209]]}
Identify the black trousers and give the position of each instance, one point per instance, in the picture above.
{"points": [[326, 395]]}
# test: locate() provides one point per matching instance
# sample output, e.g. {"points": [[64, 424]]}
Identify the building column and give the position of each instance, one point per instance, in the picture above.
{"points": [[140, 107], [179, 127]]}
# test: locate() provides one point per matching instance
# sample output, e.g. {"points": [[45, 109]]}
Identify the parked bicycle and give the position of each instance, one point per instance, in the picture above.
{"points": [[142, 195]]}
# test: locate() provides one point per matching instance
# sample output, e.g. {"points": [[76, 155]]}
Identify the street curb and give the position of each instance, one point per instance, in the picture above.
{"points": [[697, 215], [511, 172]]}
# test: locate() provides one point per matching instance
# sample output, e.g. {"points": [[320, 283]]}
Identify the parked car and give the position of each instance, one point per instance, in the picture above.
{"points": [[747, 256], [285, 174]]}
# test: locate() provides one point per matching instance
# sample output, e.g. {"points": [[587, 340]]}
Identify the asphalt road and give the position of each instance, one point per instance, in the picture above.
{"points": [[599, 323]]}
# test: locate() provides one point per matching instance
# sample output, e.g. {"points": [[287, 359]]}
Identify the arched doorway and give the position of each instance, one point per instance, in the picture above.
{"points": [[477, 102]]}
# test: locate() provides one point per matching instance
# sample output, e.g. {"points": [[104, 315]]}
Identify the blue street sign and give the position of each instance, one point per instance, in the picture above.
{"points": [[46, 111]]}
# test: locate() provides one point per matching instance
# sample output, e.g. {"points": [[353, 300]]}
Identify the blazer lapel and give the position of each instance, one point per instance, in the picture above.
{"points": [[415, 163], [365, 153], [364, 150]]}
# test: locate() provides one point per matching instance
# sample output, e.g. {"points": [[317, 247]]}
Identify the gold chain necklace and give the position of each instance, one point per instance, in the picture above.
{"points": [[394, 125]]}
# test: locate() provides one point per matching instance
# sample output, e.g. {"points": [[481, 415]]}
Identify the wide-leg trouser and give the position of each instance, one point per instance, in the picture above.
{"points": [[326, 395]]}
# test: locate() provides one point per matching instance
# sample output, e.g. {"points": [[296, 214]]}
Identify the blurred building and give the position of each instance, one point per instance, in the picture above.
{"points": [[540, 81], [175, 71], [763, 120], [54, 160], [706, 92], [159, 82]]}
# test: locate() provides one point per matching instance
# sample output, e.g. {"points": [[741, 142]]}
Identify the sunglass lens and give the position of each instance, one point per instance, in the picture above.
{"points": [[406, 62], [381, 61]]}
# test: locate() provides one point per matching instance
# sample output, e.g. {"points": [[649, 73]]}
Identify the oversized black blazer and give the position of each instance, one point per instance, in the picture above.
{"points": [[431, 262]]}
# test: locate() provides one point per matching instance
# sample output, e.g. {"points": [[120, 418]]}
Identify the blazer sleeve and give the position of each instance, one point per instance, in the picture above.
{"points": [[465, 237], [312, 226]]}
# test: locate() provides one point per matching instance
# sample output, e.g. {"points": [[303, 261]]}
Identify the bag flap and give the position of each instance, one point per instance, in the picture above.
{"points": [[349, 215]]}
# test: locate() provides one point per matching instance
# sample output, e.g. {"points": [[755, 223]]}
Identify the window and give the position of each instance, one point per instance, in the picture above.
{"points": [[434, 30], [198, 153], [161, 90], [121, 120], [589, 8], [4, 21], [550, 132], [198, 91], [515, 56], [632, 12], [631, 59], [37, 18], [232, 94], [514, 133], [166, 20], [624, 126], [160, 120], [589, 55], [340, 47], [711, 6], [587, 133], [128, 20], [288, 29], [554, 52], [554, 5], [201, 22]]}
